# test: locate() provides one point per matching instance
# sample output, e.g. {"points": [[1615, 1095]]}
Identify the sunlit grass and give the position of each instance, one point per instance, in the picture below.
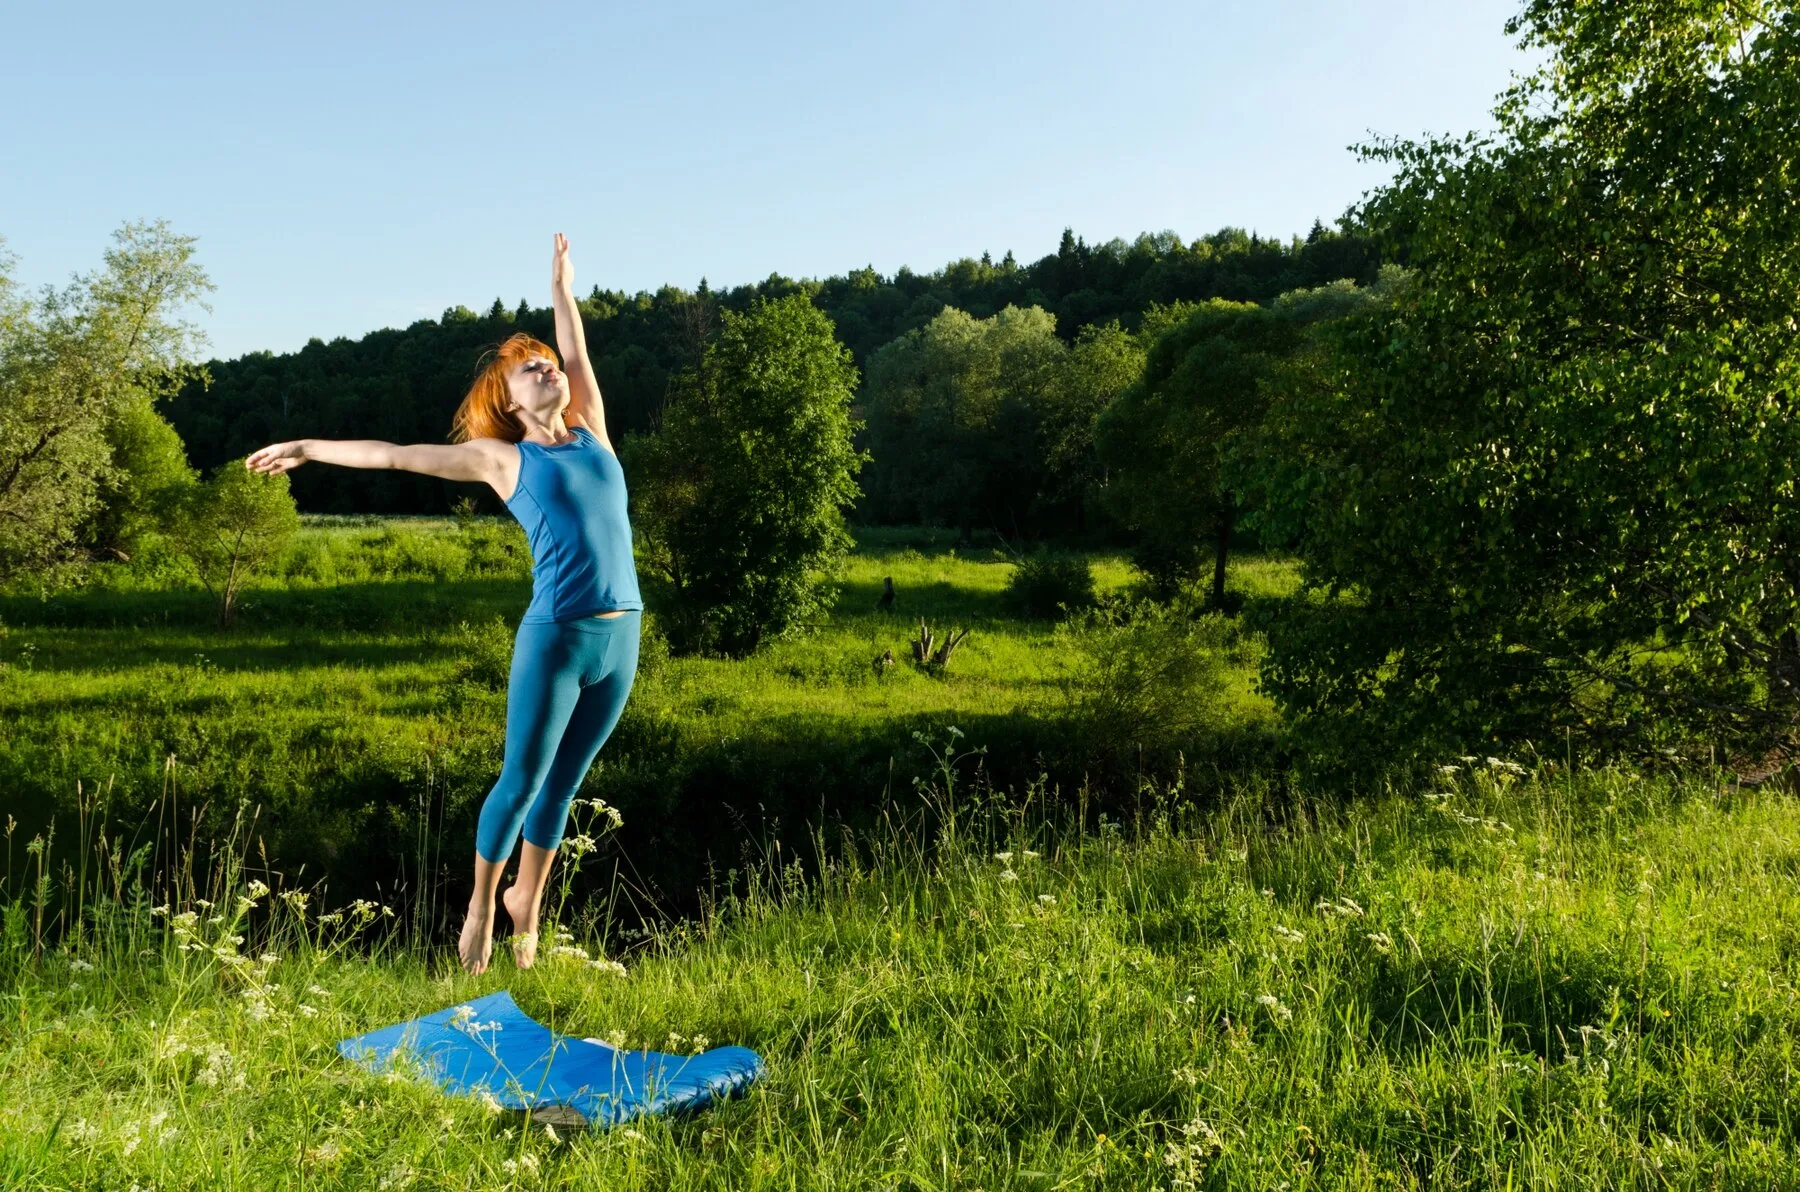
{"points": [[1525, 981]]}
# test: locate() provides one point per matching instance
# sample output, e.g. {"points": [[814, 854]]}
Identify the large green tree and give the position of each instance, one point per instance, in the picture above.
{"points": [[955, 412], [1550, 491], [740, 495], [1202, 388], [82, 370]]}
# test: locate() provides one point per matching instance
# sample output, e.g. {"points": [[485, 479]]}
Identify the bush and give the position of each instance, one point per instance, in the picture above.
{"points": [[1148, 675], [1050, 584], [484, 653]]}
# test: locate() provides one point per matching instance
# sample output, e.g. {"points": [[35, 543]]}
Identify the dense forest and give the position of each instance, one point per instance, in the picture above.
{"points": [[401, 385]]}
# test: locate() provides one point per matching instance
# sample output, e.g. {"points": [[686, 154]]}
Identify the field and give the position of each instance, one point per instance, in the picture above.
{"points": [[360, 695], [1171, 969], [1519, 981]]}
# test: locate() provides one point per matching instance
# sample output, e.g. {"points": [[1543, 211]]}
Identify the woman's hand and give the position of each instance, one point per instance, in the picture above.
{"points": [[277, 458], [562, 271]]}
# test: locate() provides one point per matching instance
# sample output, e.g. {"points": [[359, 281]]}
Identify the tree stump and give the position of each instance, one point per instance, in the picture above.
{"points": [[931, 654]]}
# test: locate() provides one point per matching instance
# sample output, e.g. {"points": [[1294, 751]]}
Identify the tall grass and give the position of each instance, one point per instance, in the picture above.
{"points": [[1538, 979]]}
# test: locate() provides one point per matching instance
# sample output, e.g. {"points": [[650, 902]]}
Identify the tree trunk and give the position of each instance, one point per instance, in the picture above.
{"points": [[1227, 514]]}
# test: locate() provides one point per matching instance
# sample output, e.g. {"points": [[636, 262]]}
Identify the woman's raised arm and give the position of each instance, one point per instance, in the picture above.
{"points": [[571, 341], [488, 461]]}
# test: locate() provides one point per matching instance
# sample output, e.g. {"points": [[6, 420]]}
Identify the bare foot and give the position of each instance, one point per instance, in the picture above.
{"points": [[524, 919], [476, 946]]}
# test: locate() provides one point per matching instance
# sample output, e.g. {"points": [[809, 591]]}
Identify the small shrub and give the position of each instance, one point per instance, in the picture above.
{"points": [[1050, 584], [407, 554], [1169, 568], [653, 648], [1147, 675], [485, 653]]}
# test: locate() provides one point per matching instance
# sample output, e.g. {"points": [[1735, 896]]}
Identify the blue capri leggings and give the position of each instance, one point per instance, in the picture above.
{"points": [[566, 691]]}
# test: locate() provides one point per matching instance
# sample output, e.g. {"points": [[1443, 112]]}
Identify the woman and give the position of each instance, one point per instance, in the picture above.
{"points": [[537, 436]]}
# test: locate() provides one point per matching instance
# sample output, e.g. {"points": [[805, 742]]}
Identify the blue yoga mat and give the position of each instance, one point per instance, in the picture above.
{"points": [[490, 1045]]}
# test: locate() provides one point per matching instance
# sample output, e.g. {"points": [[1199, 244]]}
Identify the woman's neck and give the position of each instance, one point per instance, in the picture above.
{"points": [[548, 433]]}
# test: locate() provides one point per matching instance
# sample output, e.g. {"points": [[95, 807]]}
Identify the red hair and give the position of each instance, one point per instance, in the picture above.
{"points": [[483, 413]]}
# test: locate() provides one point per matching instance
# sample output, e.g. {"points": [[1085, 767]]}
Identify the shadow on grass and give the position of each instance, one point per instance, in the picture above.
{"points": [[410, 606]]}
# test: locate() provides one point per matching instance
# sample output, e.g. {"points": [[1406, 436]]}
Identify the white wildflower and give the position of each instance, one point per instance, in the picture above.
{"points": [[674, 1042], [699, 1043], [306, 1010], [1382, 942], [1275, 1006], [550, 1133], [1188, 1159], [79, 965], [1290, 935], [611, 967], [1005, 856], [1007, 875], [487, 1101], [1029, 855], [1047, 899], [1187, 1076], [318, 991]]}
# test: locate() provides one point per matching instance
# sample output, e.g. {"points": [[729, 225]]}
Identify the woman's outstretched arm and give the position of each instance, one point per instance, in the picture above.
{"points": [[584, 387], [487, 461]]}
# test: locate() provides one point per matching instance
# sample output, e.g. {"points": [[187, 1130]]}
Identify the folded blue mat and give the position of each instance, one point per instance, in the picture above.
{"points": [[491, 1046]]}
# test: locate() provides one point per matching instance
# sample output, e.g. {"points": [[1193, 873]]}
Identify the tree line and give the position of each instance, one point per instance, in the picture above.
{"points": [[401, 385]]}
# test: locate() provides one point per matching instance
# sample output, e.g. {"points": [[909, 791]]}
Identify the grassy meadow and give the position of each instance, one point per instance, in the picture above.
{"points": [[1126, 969], [361, 694], [1521, 980]]}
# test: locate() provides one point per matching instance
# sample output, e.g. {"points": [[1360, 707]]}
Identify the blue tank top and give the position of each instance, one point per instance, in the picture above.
{"points": [[571, 501]]}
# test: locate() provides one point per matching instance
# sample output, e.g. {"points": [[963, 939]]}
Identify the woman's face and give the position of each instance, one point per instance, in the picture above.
{"points": [[538, 387]]}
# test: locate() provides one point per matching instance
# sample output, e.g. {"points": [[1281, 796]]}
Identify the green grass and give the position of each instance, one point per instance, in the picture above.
{"points": [[1563, 981], [362, 690]]}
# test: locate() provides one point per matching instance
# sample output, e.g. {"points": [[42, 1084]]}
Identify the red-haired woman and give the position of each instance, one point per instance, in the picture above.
{"points": [[537, 436]]}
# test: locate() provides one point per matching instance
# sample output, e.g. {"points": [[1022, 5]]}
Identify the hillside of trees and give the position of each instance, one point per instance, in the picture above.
{"points": [[401, 385]]}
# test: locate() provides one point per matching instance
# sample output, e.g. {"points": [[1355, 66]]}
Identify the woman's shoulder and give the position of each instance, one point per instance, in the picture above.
{"points": [[587, 435], [494, 448]]}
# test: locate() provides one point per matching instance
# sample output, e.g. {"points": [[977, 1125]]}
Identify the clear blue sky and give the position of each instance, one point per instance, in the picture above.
{"points": [[355, 166]]}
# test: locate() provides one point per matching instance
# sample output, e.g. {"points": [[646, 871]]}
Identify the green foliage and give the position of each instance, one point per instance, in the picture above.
{"points": [[235, 523], [1202, 387], [953, 411], [81, 369], [1049, 584], [990, 422], [741, 495], [1148, 676], [1547, 494], [149, 483], [484, 653], [403, 384]]}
